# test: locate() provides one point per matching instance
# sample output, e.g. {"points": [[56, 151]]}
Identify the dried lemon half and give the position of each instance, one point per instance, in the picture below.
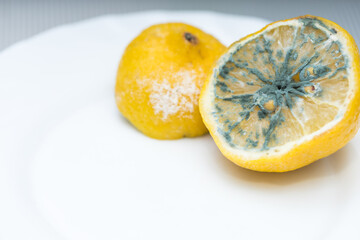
{"points": [[285, 96]]}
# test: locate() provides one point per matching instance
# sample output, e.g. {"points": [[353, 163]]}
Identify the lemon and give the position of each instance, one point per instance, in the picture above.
{"points": [[285, 96], [160, 77]]}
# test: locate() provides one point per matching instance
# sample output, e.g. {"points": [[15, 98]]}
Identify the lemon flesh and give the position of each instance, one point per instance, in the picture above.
{"points": [[160, 77], [276, 91]]}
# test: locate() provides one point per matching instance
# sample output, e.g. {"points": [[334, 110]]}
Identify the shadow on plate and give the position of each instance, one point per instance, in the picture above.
{"points": [[330, 166], [326, 167]]}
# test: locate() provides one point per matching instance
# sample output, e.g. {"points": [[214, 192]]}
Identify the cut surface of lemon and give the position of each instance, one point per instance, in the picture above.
{"points": [[285, 96]]}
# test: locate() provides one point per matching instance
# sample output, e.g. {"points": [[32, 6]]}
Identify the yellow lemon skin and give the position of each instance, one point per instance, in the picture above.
{"points": [[160, 77], [309, 150]]}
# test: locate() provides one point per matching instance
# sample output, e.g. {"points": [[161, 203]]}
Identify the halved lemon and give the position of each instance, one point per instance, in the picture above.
{"points": [[285, 96]]}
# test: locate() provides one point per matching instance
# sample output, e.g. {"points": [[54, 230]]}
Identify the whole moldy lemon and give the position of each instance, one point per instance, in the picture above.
{"points": [[160, 77]]}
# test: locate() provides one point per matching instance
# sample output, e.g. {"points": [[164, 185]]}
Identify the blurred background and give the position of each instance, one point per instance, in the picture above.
{"points": [[20, 19]]}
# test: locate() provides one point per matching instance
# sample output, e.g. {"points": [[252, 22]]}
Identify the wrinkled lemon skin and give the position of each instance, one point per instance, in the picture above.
{"points": [[308, 151], [160, 77]]}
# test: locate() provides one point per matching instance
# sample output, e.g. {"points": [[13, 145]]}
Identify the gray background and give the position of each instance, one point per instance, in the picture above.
{"points": [[20, 19]]}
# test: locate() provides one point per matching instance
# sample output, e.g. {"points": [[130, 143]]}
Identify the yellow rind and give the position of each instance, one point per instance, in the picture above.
{"points": [[156, 55], [308, 151]]}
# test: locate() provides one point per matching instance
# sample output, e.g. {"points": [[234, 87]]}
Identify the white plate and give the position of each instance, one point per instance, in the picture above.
{"points": [[72, 168]]}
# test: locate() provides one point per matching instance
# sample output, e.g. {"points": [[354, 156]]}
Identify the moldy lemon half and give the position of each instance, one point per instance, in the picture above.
{"points": [[285, 96], [160, 76]]}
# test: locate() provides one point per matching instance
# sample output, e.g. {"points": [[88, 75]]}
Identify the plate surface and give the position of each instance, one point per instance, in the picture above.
{"points": [[72, 168]]}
